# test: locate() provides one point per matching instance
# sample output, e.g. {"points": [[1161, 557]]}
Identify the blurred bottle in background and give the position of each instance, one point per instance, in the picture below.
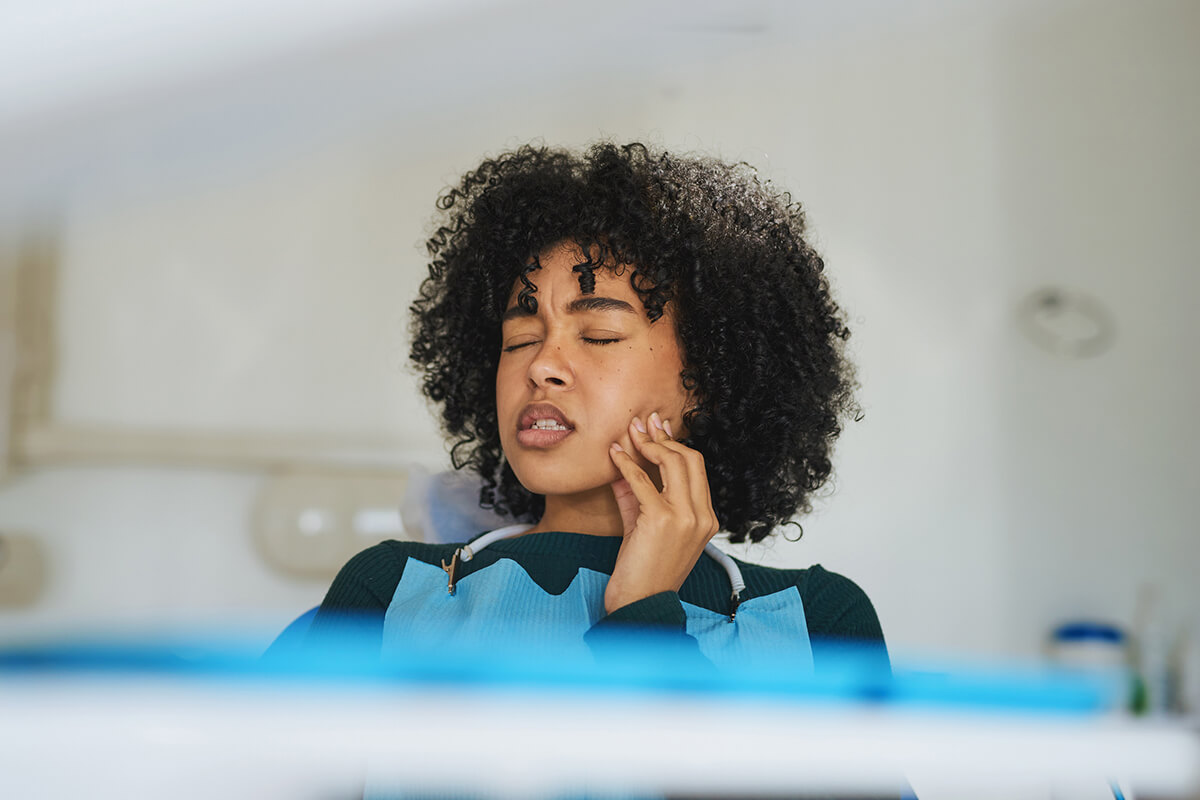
{"points": [[1098, 649]]}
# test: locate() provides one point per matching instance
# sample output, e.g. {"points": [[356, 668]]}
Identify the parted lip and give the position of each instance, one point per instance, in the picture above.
{"points": [[535, 411]]}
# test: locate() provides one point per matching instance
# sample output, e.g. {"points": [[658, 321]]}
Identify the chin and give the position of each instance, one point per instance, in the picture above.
{"points": [[548, 480]]}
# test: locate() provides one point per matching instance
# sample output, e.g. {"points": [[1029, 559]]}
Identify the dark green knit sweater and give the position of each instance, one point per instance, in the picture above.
{"points": [[834, 607]]}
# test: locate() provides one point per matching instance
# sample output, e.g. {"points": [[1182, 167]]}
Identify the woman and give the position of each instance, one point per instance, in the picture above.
{"points": [[633, 351]]}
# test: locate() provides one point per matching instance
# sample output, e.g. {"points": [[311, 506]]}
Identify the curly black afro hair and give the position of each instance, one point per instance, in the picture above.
{"points": [[763, 340]]}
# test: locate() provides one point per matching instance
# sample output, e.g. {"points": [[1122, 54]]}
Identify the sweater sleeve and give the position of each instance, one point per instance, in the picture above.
{"points": [[836, 607], [840, 614], [361, 592], [660, 613], [663, 611]]}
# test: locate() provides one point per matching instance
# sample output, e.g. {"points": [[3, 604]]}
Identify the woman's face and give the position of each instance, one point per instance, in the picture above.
{"points": [[573, 375]]}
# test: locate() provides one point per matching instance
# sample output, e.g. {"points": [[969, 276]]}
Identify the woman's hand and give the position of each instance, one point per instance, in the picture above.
{"points": [[665, 530]]}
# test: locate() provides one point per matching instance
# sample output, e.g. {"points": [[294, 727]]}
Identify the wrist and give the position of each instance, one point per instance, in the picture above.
{"points": [[621, 593]]}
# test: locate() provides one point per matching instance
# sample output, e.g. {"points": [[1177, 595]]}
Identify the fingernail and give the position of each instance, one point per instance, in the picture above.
{"points": [[657, 420], [637, 423], [616, 448], [667, 428]]}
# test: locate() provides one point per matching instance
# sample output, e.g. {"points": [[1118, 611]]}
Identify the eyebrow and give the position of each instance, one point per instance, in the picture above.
{"points": [[578, 306]]}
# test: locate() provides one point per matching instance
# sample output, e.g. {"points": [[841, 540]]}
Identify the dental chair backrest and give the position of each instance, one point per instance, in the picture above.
{"points": [[444, 507]]}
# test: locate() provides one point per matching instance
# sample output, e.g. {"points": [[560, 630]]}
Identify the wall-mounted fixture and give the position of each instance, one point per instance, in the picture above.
{"points": [[22, 570], [8, 359], [19, 318], [309, 523], [1067, 323]]}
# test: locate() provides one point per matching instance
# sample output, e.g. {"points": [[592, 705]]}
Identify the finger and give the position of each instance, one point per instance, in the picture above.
{"points": [[640, 433], [698, 479], [627, 503], [684, 481], [639, 482], [695, 470], [682, 473], [657, 429], [671, 463]]}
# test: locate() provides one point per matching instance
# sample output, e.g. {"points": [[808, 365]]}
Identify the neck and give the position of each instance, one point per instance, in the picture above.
{"points": [[594, 512]]}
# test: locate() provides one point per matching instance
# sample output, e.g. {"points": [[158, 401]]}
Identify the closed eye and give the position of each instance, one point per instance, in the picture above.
{"points": [[601, 340]]}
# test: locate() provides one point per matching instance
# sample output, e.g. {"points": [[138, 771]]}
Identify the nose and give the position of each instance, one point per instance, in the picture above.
{"points": [[551, 366]]}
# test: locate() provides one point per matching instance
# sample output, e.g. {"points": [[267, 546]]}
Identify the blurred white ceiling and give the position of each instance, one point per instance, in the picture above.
{"points": [[85, 86]]}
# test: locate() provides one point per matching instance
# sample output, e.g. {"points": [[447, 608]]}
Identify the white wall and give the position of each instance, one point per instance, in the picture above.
{"points": [[950, 162], [1099, 455]]}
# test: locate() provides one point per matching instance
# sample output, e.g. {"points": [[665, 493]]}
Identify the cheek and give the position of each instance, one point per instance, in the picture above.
{"points": [[652, 384], [663, 373], [507, 379], [508, 402]]}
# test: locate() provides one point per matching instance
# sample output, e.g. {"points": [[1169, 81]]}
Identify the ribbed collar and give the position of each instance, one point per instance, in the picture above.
{"points": [[580, 546]]}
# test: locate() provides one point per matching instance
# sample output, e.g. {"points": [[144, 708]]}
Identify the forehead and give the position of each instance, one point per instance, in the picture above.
{"points": [[562, 272]]}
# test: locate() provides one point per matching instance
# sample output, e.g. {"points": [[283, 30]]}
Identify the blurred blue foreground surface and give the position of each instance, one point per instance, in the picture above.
{"points": [[638, 662], [631, 715]]}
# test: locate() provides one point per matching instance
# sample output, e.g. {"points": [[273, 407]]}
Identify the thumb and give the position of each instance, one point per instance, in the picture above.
{"points": [[627, 502]]}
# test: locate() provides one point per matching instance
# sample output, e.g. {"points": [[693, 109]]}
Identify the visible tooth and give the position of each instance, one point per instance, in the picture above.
{"points": [[548, 425]]}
